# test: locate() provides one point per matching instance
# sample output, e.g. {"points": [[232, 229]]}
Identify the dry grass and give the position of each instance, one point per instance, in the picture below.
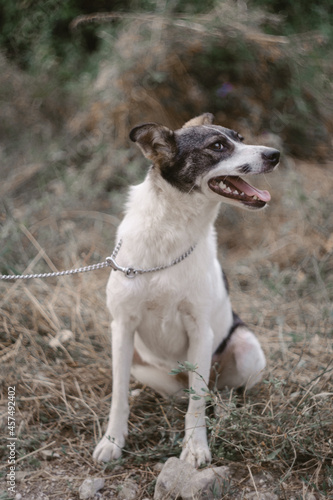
{"points": [[279, 263]]}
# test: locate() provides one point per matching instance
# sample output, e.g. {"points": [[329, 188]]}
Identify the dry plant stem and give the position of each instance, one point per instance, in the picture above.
{"points": [[192, 25], [253, 481], [40, 250]]}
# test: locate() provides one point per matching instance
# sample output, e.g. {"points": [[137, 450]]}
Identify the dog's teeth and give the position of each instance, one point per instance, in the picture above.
{"points": [[255, 198], [242, 194], [228, 190], [222, 185]]}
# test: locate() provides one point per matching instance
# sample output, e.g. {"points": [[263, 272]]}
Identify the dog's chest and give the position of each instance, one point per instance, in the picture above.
{"points": [[162, 328]]}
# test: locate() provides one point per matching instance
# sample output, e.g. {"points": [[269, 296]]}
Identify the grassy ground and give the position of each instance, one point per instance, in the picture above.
{"points": [[280, 267]]}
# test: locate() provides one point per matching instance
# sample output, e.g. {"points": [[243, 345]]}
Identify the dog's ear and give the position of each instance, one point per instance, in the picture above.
{"points": [[204, 119], [156, 142]]}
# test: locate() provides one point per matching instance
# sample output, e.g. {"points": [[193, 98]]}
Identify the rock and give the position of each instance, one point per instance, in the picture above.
{"points": [[129, 490], [20, 475], [49, 454], [179, 479], [172, 478], [263, 481], [260, 496], [135, 393], [158, 466], [89, 487], [61, 338], [208, 483]]}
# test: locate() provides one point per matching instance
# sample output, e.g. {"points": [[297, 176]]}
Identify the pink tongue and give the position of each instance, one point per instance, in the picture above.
{"points": [[246, 188]]}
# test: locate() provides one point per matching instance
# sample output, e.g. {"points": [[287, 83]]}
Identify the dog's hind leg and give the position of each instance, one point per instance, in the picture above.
{"points": [[241, 361], [158, 378], [166, 385]]}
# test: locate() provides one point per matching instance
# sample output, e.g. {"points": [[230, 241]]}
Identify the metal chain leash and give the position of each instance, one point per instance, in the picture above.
{"points": [[129, 272], [14, 277]]}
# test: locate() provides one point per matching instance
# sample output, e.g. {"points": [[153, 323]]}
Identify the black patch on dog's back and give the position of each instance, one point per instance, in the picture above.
{"points": [[235, 324], [226, 281]]}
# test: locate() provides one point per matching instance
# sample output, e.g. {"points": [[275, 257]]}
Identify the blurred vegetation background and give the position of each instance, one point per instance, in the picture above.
{"points": [[264, 65]]}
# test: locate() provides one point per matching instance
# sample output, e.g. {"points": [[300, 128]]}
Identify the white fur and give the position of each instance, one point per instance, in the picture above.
{"points": [[175, 315]]}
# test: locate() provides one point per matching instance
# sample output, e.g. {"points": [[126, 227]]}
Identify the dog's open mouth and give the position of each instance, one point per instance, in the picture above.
{"points": [[237, 189]]}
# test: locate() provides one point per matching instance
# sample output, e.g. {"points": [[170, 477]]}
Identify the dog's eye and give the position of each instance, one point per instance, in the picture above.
{"points": [[217, 146]]}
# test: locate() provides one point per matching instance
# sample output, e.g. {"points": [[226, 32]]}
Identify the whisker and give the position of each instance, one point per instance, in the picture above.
{"points": [[191, 189], [267, 181]]}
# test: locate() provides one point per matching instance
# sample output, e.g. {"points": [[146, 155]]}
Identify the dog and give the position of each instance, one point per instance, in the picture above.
{"points": [[176, 308]]}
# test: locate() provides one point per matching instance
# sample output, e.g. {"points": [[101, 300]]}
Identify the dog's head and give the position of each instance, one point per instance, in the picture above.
{"points": [[207, 158]]}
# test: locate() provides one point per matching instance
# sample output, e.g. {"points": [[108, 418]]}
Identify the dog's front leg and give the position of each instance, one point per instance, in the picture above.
{"points": [[195, 445], [110, 446]]}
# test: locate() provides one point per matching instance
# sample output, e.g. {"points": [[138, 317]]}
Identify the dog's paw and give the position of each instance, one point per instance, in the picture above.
{"points": [[196, 454], [107, 449]]}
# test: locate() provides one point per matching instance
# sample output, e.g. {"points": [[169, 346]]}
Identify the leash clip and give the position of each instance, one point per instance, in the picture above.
{"points": [[129, 272], [112, 263]]}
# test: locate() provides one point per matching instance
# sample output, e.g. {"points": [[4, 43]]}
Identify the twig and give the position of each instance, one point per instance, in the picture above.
{"points": [[195, 23], [38, 247], [251, 476]]}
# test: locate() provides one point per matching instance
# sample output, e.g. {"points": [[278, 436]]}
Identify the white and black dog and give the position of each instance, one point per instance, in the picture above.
{"points": [[177, 307]]}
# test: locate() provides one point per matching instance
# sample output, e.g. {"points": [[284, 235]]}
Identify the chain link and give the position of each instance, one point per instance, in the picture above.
{"points": [[129, 272]]}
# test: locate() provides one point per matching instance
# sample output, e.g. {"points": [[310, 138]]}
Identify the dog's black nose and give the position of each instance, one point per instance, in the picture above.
{"points": [[272, 156]]}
